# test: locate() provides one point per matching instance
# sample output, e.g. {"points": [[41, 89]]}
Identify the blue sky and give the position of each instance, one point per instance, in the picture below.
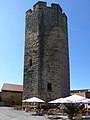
{"points": [[12, 38]]}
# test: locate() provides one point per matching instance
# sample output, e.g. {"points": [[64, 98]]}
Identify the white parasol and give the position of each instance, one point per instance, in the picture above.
{"points": [[60, 100], [83, 101], [76, 98], [33, 99]]}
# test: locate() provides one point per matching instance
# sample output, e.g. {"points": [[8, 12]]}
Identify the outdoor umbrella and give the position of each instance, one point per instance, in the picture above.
{"points": [[74, 98], [33, 99], [60, 100], [83, 101], [71, 99]]}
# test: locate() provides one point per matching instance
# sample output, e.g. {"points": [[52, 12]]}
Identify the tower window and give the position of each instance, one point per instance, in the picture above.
{"points": [[30, 62], [49, 87]]}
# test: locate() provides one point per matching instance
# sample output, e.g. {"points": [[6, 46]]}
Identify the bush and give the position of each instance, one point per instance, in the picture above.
{"points": [[72, 109]]}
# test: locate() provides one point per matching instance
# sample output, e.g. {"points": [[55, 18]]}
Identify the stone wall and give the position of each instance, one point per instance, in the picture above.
{"points": [[46, 58], [10, 98]]}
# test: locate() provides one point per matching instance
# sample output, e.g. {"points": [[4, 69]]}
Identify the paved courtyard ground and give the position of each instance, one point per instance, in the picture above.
{"points": [[7, 113]]}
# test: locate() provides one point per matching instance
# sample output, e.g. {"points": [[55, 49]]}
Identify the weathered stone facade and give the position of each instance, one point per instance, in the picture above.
{"points": [[11, 98], [46, 57]]}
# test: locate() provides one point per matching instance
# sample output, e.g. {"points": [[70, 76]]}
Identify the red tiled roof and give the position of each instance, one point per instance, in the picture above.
{"points": [[12, 87]]}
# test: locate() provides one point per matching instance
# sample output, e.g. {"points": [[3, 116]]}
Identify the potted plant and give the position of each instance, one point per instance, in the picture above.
{"points": [[72, 110]]}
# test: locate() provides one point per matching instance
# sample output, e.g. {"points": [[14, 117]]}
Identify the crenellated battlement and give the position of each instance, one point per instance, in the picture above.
{"points": [[43, 5], [29, 11], [39, 5], [56, 7], [53, 14]]}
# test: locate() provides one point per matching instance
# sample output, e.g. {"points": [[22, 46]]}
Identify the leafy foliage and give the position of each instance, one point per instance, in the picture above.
{"points": [[72, 109]]}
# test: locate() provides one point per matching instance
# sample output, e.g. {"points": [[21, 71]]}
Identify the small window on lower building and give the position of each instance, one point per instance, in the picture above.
{"points": [[49, 87]]}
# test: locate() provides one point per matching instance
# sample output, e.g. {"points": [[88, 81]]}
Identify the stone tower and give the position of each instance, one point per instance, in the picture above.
{"points": [[46, 57]]}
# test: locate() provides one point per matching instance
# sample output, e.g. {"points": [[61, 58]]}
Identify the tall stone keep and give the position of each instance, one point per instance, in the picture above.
{"points": [[46, 57]]}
